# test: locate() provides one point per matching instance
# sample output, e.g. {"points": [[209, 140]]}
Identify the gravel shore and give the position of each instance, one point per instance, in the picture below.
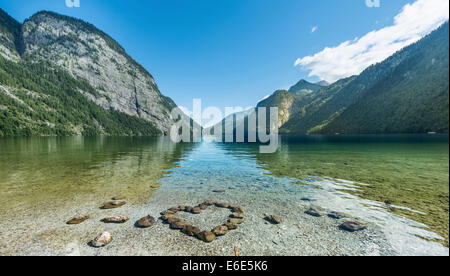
{"points": [[299, 234]]}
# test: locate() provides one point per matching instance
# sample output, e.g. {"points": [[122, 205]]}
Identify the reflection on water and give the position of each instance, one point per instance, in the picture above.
{"points": [[410, 172], [38, 171]]}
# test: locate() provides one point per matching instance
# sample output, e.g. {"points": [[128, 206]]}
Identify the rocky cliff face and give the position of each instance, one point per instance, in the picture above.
{"points": [[88, 54]]}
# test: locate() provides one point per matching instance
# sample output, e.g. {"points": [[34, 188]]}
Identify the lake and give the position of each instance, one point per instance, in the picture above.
{"points": [[397, 184]]}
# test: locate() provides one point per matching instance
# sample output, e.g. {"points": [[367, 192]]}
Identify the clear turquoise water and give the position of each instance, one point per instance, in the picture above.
{"points": [[353, 174]]}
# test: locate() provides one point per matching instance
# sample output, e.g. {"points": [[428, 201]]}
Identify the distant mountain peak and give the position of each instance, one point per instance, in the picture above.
{"points": [[323, 83], [304, 87]]}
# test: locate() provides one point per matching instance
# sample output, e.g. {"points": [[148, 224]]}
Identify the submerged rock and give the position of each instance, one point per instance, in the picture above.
{"points": [[237, 209], [210, 202], [196, 210], [206, 236], [222, 205], [146, 222], [113, 204], [236, 221], [191, 230], [167, 217], [120, 197], [173, 219], [231, 225], [273, 219], [174, 209], [179, 224], [203, 206], [78, 220], [219, 191], [237, 215], [220, 230], [336, 215], [188, 209], [313, 212], [353, 226], [167, 212], [118, 219], [102, 240]]}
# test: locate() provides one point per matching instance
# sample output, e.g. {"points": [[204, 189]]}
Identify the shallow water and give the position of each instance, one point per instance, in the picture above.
{"points": [[352, 174]]}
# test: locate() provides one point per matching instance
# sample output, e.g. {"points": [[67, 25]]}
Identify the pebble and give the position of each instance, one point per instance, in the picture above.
{"points": [[210, 202], [77, 220], [220, 230], [102, 240], [231, 225], [206, 236], [179, 224], [336, 215], [353, 226], [237, 215], [313, 212], [236, 221], [273, 219], [113, 204], [118, 219], [222, 205], [120, 197], [146, 222], [191, 230]]}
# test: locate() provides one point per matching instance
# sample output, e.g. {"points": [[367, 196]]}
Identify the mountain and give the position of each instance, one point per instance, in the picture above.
{"points": [[323, 83], [290, 101], [414, 98], [304, 87], [62, 76], [408, 92]]}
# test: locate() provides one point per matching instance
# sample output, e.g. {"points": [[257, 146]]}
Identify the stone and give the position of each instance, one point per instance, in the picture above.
{"points": [[120, 197], [222, 205], [206, 236], [191, 230], [273, 219], [188, 209], [210, 202], [336, 215], [167, 217], [353, 226], [236, 209], [78, 220], [237, 215], [174, 209], [167, 212], [236, 221], [231, 226], [203, 206], [113, 204], [102, 240], [118, 219], [146, 222], [171, 220], [181, 208], [313, 212], [220, 230], [196, 210], [179, 224]]}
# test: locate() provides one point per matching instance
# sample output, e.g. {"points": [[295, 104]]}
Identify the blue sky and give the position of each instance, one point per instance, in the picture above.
{"points": [[228, 52]]}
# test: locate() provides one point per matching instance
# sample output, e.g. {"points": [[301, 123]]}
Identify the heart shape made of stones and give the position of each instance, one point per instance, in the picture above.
{"points": [[236, 217]]}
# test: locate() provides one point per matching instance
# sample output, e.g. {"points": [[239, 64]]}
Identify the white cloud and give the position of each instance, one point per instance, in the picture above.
{"points": [[351, 57], [314, 29], [265, 97]]}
